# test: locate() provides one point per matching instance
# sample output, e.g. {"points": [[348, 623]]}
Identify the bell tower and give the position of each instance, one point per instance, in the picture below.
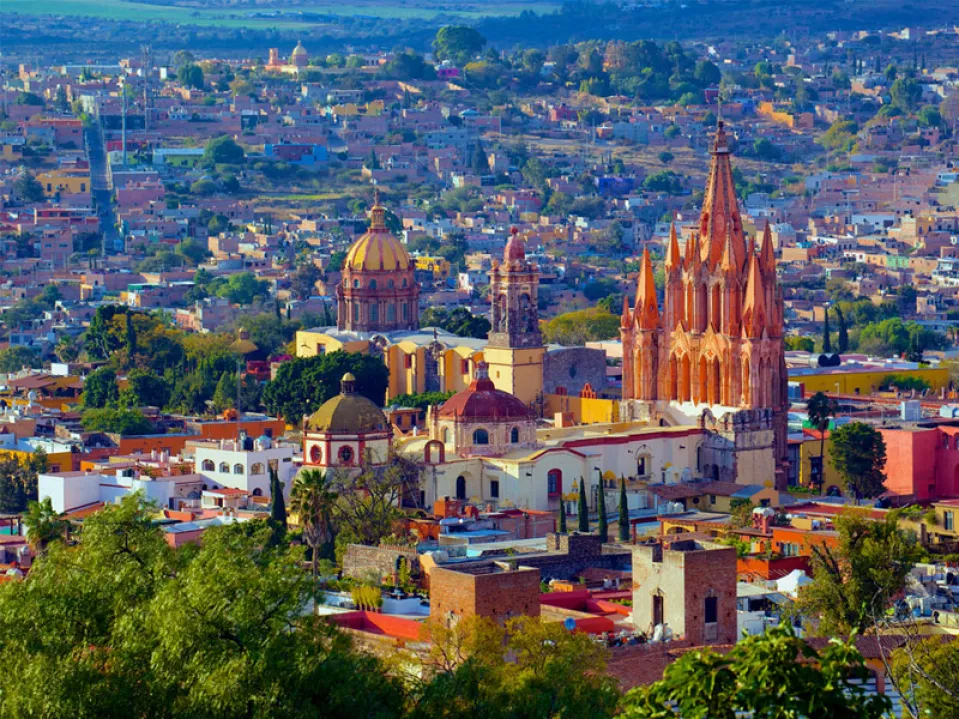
{"points": [[515, 351]]}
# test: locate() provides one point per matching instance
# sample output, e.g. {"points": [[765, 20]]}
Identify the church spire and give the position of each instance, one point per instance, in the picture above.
{"points": [[720, 208], [730, 263], [673, 259], [767, 258], [646, 315], [754, 310], [625, 318]]}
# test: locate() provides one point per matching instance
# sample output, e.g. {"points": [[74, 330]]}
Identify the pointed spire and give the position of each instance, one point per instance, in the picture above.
{"points": [[754, 309], [767, 258], [729, 262], [646, 314], [691, 251], [694, 260], [625, 317], [673, 260], [720, 211]]}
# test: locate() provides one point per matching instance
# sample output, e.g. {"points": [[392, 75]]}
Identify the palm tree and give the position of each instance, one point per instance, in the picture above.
{"points": [[820, 408], [311, 499], [43, 524]]}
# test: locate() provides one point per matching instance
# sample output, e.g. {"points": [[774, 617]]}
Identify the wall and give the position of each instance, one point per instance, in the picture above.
{"points": [[810, 448], [584, 411], [360, 560], [68, 493], [572, 367], [865, 382], [497, 594], [911, 456]]}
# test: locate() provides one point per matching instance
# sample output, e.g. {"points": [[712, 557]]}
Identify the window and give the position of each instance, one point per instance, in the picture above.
{"points": [[372, 284], [554, 482], [208, 465], [374, 313], [446, 435], [356, 313], [391, 284], [514, 435], [494, 488], [224, 468], [356, 283], [237, 469], [408, 361], [346, 455], [406, 311], [658, 609], [461, 487], [712, 499], [712, 610], [481, 436], [404, 282], [257, 468], [257, 492], [316, 454], [948, 521], [641, 466], [391, 313], [464, 366]]}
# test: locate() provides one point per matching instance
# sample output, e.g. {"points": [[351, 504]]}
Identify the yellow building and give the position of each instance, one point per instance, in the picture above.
{"points": [[59, 455], [863, 382], [417, 360], [439, 266], [69, 181], [808, 448]]}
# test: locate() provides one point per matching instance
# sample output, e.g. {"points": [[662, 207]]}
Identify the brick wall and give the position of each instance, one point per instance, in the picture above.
{"points": [[484, 592], [361, 561]]}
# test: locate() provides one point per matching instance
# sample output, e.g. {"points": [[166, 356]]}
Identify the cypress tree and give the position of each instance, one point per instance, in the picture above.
{"points": [[131, 337], [623, 512], [562, 517], [583, 510], [842, 340], [826, 345], [601, 509], [278, 506]]}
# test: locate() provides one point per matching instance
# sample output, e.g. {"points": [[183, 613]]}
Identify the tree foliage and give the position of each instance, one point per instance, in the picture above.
{"points": [[858, 453], [577, 328], [120, 421]]}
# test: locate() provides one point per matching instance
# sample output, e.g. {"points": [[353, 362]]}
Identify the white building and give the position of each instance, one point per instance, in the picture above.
{"points": [[244, 463], [69, 491]]}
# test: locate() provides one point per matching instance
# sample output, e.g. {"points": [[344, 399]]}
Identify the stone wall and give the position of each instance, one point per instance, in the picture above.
{"points": [[572, 367], [361, 561], [498, 591]]}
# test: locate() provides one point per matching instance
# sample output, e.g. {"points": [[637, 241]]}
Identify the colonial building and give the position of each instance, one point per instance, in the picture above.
{"points": [[714, 353], [515, 349], [378, 292], [346, 431]]}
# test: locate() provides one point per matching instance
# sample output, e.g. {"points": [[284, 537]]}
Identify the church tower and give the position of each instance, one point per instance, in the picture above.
{"points": [[515, 350], [716, 349]]}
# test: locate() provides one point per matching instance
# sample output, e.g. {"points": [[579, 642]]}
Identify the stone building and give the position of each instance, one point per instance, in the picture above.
{"points": [[689, 586], [378, 292], [717, 345], [496, 590]]}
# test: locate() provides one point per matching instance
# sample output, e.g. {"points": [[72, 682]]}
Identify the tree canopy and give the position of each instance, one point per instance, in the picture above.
{"points": [[858, 453]]}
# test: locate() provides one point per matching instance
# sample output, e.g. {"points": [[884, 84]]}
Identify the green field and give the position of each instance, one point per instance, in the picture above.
{"points": [[245, 17]]}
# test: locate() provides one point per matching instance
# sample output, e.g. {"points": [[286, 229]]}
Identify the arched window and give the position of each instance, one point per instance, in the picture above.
{"points": [[224, 468], [316, 454], [481, 436], [404, 282], [257, 468], [237, 468], [257, 492], [205, 488], [445, 435], [955, 439], [208, 465], [461, 487], [554, 482], [356, 283], [346, 455], [514, 435], [372, 284]]}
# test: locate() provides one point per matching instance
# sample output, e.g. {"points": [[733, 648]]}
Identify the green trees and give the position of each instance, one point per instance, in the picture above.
{"points": [[561, 525], [577, 328], [223, 150], [457, 43], [145, 389], [460, 322], [775, 675], [421, 400], [120, 421], [303, 384], [602, 528], [15, 358], [821, 408], [480, 163], [277, 519], [842, 339], [858, 453], [225, 395], [190, 75], [906, 92], [854, 583], [100, 388], [43, 524], [665, 181], [582, 507], [623, 512], [826, 342], [841, 136], [312, 499], [18, 481], [243, 288], [926, 673], [28, 188]]}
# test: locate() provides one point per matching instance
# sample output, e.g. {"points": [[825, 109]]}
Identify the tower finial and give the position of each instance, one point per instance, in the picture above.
{"points": [[376, 197]]}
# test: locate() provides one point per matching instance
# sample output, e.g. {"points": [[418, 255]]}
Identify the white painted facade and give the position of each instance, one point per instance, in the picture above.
{"points": [[69, 491], [227, 464]]}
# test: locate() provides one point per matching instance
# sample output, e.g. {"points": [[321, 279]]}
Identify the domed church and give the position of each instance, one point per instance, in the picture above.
{"points": [[346, 431], [378, 292]]}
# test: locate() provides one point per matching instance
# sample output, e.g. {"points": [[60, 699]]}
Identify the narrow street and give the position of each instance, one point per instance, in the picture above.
{"points": [[101, 187]]}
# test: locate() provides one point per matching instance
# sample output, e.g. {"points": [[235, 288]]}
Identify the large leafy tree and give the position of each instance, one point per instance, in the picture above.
{"points": [[775, 675], [120, 421], [457, 43], [926, 673], [100, 388], [855, 581], [223, 150], [301, 385], [858, 453], [44, 524], [18, 481]]}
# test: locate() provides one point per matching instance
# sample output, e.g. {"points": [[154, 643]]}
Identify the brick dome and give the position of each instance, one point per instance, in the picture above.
{"points": [[515, 248], [482, 401]]}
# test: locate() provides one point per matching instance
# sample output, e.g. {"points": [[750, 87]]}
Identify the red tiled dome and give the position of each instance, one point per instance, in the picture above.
{"points": [[482, 401]]}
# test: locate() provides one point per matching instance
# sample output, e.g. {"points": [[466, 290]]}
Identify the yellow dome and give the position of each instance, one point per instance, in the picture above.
{"points": [[378, 249], [299, 50], [348, 412]]}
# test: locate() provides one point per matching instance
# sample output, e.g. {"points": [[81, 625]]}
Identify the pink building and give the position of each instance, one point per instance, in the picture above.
{"points": [[922, 462]]}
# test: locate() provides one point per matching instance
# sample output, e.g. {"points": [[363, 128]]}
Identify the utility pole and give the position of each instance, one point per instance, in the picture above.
{"points": [[145, 50]]}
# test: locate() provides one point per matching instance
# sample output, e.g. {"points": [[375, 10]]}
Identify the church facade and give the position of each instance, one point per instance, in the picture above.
{"points": [[714, 352]]}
